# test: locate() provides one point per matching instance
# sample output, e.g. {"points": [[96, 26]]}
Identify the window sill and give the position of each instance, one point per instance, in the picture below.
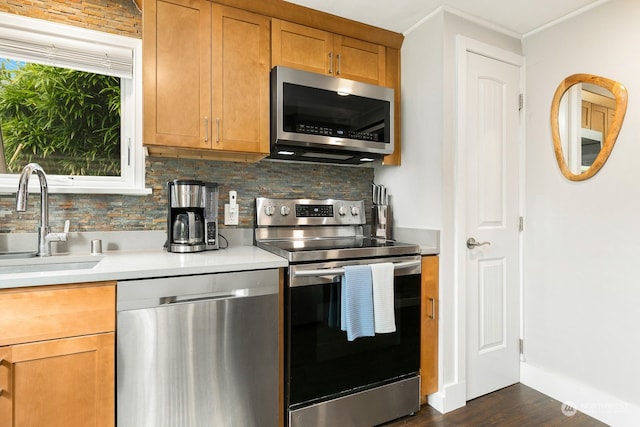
{"points": [[53, 189]]}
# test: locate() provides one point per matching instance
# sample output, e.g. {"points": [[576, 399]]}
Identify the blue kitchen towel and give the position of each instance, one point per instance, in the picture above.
{"points": [[357, 302]]}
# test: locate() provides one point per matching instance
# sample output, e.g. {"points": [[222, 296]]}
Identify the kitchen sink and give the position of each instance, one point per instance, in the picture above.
{"points": [[19, 254], [27, 262]]}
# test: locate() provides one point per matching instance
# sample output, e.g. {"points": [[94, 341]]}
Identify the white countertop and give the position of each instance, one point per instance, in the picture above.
{"points": [[139, 254], [429, 240], [137, 264]]}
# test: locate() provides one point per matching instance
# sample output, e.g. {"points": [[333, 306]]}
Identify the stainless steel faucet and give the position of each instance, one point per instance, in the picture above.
{"points": [[44, 236]]}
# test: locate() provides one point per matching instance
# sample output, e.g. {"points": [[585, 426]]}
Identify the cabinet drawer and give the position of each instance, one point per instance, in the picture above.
{"points": [[49, 312]]}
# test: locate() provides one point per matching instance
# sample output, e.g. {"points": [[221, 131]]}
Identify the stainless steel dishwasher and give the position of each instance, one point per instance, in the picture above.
{"points": [[198, 350]]}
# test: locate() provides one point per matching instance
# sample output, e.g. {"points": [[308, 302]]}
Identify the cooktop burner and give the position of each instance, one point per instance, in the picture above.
{"points": [[311, 230], [334, 249]]}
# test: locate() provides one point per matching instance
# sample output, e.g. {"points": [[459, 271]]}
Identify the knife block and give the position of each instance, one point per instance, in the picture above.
{"points": [[381, 222]]}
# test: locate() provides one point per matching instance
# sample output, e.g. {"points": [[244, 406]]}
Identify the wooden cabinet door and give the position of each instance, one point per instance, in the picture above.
{"points": [[599, 118], [177, 73], [59, 383], [429, 326], [301, 47], [359, 60], [240, 80], [310, 49]]}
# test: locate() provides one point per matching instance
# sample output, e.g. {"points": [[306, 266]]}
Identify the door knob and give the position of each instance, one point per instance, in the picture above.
{"points": [[471, 243]]}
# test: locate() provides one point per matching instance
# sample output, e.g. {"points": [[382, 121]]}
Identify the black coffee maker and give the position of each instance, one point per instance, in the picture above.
{"points": [[192, 219]]}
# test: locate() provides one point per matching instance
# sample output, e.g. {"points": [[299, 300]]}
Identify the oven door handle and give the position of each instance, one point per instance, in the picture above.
{"points": [[340, 271]]}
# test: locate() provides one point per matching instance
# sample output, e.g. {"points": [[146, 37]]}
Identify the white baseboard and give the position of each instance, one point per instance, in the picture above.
{"points": [[586, 399], [451, 397]]}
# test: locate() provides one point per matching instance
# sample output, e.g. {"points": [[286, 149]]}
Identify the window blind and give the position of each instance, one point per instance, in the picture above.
{"points": [[58, 50]]}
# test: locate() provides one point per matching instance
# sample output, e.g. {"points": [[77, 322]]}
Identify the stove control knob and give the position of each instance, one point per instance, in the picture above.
{"points": [[355, 211], [269, 210], [284, 210], [342, 211]]}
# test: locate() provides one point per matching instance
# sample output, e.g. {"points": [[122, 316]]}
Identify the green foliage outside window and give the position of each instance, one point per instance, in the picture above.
{"points": [[68, 121]]}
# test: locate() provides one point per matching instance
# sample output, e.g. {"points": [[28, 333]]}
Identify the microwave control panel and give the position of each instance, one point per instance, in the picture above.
{"points": [[325, 130]]}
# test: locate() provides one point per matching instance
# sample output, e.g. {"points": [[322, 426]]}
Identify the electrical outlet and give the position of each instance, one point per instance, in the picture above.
{"points": [[231, 210], [230, 218]]}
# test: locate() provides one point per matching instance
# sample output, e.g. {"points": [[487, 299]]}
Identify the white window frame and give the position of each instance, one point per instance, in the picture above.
{"points": [[132, 178]]}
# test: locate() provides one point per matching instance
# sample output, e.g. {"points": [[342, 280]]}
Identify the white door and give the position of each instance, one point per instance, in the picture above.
{"points": [[492, 216]]}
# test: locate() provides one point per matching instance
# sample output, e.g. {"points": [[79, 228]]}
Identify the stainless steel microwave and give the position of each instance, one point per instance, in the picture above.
{"points": [[319, 118]]}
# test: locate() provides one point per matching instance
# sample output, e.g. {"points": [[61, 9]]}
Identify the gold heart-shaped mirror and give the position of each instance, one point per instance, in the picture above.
{"points": [[587, 112]]}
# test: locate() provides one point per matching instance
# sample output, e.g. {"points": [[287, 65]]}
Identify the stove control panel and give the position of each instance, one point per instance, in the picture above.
{"points": [[294, 212], [314, 211]]}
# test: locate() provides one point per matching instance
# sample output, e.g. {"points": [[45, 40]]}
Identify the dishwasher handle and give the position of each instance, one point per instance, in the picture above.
{"points": [[176, 299]]}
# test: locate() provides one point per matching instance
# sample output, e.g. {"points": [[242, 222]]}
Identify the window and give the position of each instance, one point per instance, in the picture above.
{"points": [[97, 76]]}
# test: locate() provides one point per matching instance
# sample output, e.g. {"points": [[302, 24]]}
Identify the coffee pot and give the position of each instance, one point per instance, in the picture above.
{"points": [[187, 228], [192, 219]]}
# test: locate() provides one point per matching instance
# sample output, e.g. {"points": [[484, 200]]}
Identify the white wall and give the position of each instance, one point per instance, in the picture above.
{"points": [[582, 239], [416, 186], [581, 295], [423, 188]]}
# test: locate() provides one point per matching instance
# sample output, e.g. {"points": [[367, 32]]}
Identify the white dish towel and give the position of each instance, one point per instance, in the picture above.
{"points": [[383, 297]]}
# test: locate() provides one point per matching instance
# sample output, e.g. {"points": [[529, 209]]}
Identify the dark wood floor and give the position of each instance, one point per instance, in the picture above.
{"points": [[517, 405]]}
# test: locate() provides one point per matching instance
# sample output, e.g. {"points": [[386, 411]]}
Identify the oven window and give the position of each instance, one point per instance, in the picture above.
{"points": [[322, 364]]}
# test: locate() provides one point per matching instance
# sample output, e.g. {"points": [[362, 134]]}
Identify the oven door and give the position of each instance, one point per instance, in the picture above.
{"points": [[320, 363]]}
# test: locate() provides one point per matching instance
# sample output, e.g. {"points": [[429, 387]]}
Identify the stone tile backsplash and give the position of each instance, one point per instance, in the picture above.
{"points": [[96, 212]]}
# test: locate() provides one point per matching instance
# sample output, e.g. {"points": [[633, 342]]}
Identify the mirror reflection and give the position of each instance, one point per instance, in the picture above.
{"points": [[586, 116]]}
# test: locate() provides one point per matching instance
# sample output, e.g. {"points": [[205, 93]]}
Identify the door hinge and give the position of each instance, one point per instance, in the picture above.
{"points": [[520, 102], [521, 224], [521, 346]]}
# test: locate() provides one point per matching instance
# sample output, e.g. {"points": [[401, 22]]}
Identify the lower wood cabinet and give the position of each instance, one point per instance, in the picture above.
{"points": [[429, 327], [59, 369]]}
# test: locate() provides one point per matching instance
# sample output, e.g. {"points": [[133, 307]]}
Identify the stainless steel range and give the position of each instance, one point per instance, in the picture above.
{"points": [[330, 378]]}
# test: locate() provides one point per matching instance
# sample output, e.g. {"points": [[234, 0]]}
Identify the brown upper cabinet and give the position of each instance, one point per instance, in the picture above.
{"points": [[311, 49], [597, 111], [318, 51], [206, 70], [206, 80]]}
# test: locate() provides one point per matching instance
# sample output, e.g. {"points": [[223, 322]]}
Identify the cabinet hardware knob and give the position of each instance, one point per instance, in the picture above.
{"points": [[339, 70], [330, 62], [433, 308], [206, 129]]}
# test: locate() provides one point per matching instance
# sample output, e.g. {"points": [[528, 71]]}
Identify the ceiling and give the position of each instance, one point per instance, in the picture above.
{"points": [[518, 17]]}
